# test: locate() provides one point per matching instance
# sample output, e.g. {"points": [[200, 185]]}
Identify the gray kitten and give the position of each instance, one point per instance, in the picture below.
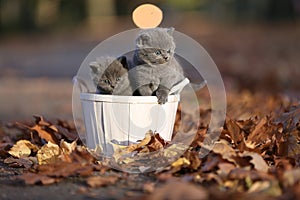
{"points": [[156, 69], [110, 76]]}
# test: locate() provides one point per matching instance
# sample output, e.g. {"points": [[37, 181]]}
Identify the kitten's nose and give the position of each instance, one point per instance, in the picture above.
{"points": [[166, 57]]}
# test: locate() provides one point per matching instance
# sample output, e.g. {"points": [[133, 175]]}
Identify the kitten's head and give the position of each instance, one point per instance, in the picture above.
{"points": [[108, 72], [155, 46]]}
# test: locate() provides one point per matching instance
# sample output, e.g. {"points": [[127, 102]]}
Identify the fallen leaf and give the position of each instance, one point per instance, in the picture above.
{"points": [[262, 133], [64, 169], [256, 159], [148, 187], [289, 119], [211, 162], [31, 179], [178, 190], [180, 162], [225, 168], [151, 142], [99, 181], [224, 150], [270, 188], [66, 147], [293, 144], [48, 153], [44, 129], [22, 148], [26, 162], [235, 131], [194, 159], [291, 177]]}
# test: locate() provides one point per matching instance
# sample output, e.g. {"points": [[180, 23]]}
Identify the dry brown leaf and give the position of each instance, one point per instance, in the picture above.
{"points": [[291, 177], [48, 153], [259, 134], [289, 119], [194, 159], [26, 162], [235, 131], [270, 188], [293, 144], [31, 179], [225, 151], [211, 162], [149, 187], [152, 142], [142, 143], [225, 168], [258, 162], [99, 181], [67, 129], [178, 190], [156, 143], [44, 134], [65, 169], [44, 129], [22, 148]]}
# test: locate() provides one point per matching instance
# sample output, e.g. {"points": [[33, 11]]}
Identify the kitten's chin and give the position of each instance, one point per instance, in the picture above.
{"points": [[162, 62]]}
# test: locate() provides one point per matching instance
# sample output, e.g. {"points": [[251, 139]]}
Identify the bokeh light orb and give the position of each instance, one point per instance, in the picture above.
{"points": [[147, 16]]}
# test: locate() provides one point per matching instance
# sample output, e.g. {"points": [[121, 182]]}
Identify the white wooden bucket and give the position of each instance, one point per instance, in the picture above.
{"points": [[125, 119]]}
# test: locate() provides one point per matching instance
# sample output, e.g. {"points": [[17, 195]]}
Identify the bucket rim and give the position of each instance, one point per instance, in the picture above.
{"points": [[124, 99]]}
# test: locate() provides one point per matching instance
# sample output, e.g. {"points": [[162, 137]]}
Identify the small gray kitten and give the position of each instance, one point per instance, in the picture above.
{"points": [[110, 76], [156, 69]]}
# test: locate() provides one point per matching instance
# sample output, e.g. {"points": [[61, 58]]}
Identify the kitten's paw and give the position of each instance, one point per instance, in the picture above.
{"points": [[162, 100], [162, 97]]}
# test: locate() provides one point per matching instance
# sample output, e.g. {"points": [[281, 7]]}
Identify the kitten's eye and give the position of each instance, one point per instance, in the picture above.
{"points": [[118, 79], [157, 52], [106, 81], [169, 51]]}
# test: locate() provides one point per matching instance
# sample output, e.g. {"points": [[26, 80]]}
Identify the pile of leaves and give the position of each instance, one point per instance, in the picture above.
{"points": [[152, 153], [256, 155]]}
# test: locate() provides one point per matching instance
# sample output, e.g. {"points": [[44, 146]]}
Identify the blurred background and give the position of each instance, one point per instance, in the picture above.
{"points": [[255, 44]]}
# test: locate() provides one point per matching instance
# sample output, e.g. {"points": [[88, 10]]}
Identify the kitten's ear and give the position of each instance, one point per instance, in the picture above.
{"points": [[170, 31], [143, 39], [94, 67], [123, 61]]}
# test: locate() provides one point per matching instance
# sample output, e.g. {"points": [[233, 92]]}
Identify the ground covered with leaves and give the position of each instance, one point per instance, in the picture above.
{"points": [[256, 156]]}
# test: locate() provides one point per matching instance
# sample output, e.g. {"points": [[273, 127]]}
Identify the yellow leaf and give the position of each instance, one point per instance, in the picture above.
{"points": [[66, 147], [22, 148], [180, 162], [48, 153]]}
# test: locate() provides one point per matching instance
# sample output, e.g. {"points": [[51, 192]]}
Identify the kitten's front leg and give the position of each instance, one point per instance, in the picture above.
{"points": [[162, 94]]}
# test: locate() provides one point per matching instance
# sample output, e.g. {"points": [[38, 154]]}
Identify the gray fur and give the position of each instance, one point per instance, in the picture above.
{"points": [[156, 69], [110, 76]]}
